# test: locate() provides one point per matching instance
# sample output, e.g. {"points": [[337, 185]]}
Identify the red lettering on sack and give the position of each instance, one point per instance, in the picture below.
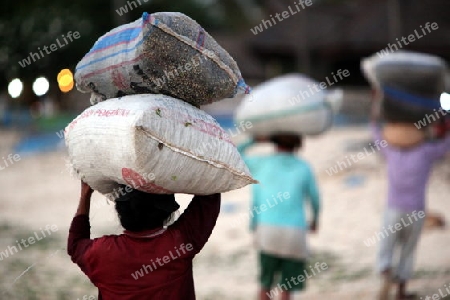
{"points": [[136, 181], [100, 113]]}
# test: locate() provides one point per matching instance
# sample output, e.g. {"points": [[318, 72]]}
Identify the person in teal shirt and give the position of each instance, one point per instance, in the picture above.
{"points": [[278, 217]]}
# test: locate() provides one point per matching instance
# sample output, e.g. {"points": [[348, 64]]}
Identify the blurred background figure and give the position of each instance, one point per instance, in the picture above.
{"points": [[408, 174], [407, 86], [278, 217]]}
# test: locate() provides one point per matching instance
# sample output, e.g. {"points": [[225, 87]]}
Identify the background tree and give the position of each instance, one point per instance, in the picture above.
{"points": [[25, 28]]}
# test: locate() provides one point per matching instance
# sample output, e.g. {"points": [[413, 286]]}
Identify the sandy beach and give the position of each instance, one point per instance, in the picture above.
{"points": [[38, 190]]}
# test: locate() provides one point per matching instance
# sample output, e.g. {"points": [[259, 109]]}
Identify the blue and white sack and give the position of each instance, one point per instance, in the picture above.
{"points": [[161, 53]]}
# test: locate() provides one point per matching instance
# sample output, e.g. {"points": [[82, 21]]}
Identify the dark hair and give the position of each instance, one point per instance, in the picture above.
{"points": [[287, 141], [140, 211]]}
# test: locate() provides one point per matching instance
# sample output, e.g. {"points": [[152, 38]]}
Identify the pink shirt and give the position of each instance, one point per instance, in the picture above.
{"points": [[409, 170]]}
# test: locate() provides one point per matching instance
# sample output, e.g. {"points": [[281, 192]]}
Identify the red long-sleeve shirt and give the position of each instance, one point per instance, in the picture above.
{"points": [[154, 264]]}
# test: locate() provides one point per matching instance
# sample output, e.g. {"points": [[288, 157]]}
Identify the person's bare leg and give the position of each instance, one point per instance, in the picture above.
{"points": [[285, 295], [385, 284], [264, 294], [401, 292]]}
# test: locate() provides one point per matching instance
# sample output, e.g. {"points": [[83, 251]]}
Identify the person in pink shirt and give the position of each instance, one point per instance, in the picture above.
{"points": [[408, 171]]}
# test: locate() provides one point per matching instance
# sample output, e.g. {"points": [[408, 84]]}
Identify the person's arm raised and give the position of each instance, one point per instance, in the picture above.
{"points": [[79, 232], [198, 220], [85, 200]]}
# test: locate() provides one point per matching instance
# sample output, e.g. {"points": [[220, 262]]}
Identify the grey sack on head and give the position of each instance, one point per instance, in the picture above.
{"points": [[411, 83]]}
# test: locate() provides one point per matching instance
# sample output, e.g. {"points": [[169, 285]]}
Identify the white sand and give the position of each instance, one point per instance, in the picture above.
{"points": [[38, 190]]}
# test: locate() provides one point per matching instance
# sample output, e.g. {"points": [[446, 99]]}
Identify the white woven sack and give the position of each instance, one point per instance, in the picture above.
{"points": [[288, 103], [154, 143]]}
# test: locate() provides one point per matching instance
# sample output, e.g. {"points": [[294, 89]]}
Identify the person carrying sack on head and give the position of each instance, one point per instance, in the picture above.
{"points": [[278, 217], [150, 260]]}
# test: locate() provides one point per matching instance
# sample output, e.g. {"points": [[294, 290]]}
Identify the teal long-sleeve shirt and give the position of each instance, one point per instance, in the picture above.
{"points": [[286, 184]]}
